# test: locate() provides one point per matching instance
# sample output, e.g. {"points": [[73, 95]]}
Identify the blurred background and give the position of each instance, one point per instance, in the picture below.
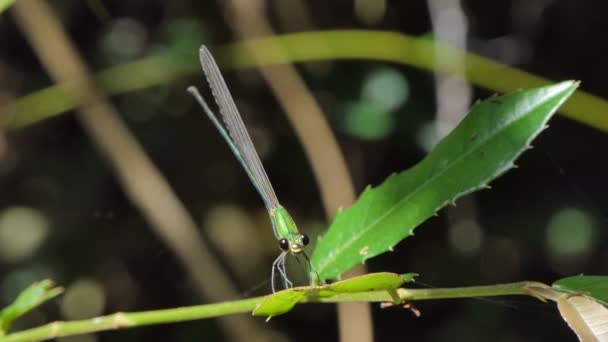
{"points": [[81, 203]]}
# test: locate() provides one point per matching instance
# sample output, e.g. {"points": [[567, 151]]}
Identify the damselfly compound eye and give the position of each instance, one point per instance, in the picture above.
{"points": [[304, 239], [284, 244]]}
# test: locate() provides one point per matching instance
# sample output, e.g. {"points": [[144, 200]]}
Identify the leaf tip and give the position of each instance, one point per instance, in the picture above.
{"points": [[575, 83]]}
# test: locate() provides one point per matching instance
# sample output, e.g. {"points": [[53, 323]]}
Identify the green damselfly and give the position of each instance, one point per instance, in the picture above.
{"points": [[291, 241]]}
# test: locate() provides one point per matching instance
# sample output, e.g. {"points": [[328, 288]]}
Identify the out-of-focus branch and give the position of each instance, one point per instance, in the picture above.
{"points": [[142, 182], [311, 127], [453, 94], [305, 47]]}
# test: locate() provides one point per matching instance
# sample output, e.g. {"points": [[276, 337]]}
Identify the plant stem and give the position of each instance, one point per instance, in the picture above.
{"points": [[519, 288], [124, 320], [302, 47]]}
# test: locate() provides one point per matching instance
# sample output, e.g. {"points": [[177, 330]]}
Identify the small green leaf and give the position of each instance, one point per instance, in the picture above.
{"points": [[283, 301], [371, 282], [593, 286], [28, 299], [481, 148], [280, 302]]}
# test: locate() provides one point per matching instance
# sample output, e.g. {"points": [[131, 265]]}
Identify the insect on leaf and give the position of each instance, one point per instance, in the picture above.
{"points": [[482, 147]]}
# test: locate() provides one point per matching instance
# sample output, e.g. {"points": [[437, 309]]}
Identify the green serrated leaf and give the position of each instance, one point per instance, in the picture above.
{"points": [[283, 301], [28, 299], [593, 286], [482, 147]]}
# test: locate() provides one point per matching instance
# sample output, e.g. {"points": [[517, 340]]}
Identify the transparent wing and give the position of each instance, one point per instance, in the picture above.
{"points": [[237, 130], [221, 129]]}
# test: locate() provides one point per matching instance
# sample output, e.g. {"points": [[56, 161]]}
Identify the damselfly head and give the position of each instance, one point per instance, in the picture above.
{"points": [[295, 244]]}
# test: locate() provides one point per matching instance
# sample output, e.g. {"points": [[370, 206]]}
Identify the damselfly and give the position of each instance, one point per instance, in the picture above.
{"points": [[290, 240]]}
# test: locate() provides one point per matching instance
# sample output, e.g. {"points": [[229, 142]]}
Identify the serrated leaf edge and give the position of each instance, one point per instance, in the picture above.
{"points": [[571, 84]]}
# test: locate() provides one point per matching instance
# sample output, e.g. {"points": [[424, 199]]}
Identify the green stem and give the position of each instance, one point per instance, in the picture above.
{"points": [[519, 288], [302, 47], [123, 320]]}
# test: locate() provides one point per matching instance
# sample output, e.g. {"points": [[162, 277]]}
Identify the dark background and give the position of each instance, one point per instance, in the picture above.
{"points": [[86, 231]]}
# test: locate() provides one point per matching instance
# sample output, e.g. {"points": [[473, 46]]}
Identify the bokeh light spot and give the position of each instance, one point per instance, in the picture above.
{"points": [[83, 299], [22, 230], [370, 12], [366, 121], [570, 232], [183, 36], [465, 237], [386, 88], [125, 40]]}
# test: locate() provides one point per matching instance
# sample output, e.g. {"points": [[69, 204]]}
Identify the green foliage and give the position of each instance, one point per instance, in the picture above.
{"points": [[283, 301], [482, 147], [28, 299], [592, 286]]}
